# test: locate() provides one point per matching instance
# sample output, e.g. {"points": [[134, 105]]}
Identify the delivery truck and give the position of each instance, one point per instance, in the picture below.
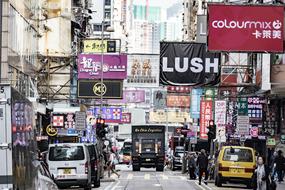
{"points": [[148, 147]]}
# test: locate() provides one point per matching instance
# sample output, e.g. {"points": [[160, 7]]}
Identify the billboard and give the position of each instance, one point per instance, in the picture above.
{"points": [[93, 89], [143, 70], [183, 63], [205, 116], [114, 66], [163, 116], [126, 118], [63, 120], [248, 28], [178, 101], [220, 112], [96, 46]]}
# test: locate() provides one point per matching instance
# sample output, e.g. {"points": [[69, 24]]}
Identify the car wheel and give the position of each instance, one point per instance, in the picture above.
{"points": [[218, 181], [248, 185], [136, 168]]}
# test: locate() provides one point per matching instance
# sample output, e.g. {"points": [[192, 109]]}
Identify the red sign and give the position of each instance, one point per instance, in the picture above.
{"points": [[254, 132], [126, 118], [253, 28], [206, 115], [178, 101], [178, 89]]}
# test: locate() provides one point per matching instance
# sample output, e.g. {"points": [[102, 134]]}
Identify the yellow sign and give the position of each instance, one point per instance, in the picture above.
{"points": [[162, 116], [94, 46], [98, 89], [51, 131]]}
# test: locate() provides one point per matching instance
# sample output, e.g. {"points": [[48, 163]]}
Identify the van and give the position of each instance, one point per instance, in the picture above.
{"points": [[235, 164], [95, 164], [69, 163]]}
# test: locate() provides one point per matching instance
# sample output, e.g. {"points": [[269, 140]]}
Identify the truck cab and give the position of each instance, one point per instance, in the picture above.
{"points": [[148, 147]]}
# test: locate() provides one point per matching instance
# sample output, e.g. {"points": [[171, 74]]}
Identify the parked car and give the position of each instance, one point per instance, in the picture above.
{"points": [[44, 178], [95, 164], [235, 163], [176, 159], [70, 164]]}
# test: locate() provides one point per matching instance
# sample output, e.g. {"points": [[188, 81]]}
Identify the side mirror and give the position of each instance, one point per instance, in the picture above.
{"points": [[52, 177]]}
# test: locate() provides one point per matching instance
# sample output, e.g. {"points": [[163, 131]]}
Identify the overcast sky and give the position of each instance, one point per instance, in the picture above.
{"points": [[164, 3]]}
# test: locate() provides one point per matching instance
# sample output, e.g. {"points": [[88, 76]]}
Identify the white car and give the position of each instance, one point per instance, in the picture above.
{"points": [[69, 163], [44, 180]]}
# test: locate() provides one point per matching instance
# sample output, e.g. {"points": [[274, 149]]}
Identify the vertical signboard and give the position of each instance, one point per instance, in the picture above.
{"points": [[242, 106], [195, 102], [80, 120], [243, 125], [255, 110], [220, 112], [159, 99], [205, 116]]}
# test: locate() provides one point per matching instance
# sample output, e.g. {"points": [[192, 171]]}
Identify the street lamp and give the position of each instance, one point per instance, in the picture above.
{"points": [[108, 29]]}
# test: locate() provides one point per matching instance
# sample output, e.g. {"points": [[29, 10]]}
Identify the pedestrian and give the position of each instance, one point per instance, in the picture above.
{"points": [[111, 165], [191, 166], [279, 161], [261, 179], [202, 164]]}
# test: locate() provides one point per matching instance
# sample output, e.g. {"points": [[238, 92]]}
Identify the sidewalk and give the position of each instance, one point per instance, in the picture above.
{"points": [[281, 186]]}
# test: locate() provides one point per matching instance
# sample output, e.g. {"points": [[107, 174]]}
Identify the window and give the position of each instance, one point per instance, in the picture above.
{"points": [[238, 155], [107, 2], [66, 153]]}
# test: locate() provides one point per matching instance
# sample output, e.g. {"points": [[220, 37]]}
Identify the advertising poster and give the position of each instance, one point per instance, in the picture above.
{"points": [[254, 28], [185, 63], [143, 70]]}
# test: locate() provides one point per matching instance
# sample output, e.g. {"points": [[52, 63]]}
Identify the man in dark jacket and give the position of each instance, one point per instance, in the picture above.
{"points": [[279, 161], [202, 164]]}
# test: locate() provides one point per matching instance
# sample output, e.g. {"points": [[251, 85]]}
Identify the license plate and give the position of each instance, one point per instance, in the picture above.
{"points": [[67, 171], [236, 170], [148, 160]]}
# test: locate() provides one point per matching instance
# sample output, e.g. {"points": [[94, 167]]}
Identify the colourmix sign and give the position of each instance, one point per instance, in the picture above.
{"points": [[183, 63], [246, 28]]}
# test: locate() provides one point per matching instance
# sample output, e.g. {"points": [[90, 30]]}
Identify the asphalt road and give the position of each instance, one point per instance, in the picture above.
{"points": [[149, 179]]}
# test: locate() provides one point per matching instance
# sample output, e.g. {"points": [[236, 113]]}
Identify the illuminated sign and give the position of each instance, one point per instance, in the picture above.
{"points": [[51, 131]]}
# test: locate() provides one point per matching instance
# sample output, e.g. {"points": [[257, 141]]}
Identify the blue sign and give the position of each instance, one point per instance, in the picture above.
{"points": [[195, 102], [110, 114]]}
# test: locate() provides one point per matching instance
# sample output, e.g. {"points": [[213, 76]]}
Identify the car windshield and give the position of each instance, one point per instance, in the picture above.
{"points": [[178, 154], [238, 155], [66, 153], [148, 145]]}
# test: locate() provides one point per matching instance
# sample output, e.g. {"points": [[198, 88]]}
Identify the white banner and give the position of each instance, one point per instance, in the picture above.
{"points": [[243, 125], [220, 112]]}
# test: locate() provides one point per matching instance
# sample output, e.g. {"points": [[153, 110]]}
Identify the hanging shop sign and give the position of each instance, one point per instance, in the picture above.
{"points": [[51, 131], [110, 114], [114, 66], [188, 64], [159, 99], [220, 112], [178, 89], [63, 120], [96, 46], [178, 101], [143, 70], [248, 28], [111, 89], [242, 125], [255, 109], [80, 120], [163, 116], [206, 114], [126, 118], [195, 102], [242, 106]]}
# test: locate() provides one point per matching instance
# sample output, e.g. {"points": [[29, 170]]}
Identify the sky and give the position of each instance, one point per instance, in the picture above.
{"points": [[165, 4]]}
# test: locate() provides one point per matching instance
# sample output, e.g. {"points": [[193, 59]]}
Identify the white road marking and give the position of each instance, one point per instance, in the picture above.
{"points": [[157, 185], [130, 176], [183, 178], [109, 186], [203, 187], [116, 185], [147, 176], [164, 177]]}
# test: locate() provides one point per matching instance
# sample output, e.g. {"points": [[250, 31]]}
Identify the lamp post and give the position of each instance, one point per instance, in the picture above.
{"points": [[108, 29]]}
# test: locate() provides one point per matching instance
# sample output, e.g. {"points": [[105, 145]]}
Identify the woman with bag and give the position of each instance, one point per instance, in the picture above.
{"points": [[261, 176]]}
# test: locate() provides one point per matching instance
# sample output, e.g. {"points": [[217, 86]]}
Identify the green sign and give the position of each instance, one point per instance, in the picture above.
{"points": [[210, 93], [242, 106], [271, 142]]}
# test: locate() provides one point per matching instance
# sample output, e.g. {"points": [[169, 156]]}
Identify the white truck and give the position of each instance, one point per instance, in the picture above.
{"points": [[18, 151]]}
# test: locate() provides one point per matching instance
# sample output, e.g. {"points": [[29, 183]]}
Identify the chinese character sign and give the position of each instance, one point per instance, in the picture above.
{"points": [[255, 109], [205, 116], [114, 66], [195, 102], [220, 112], [242, 106], [253, 28], [111, 115]]}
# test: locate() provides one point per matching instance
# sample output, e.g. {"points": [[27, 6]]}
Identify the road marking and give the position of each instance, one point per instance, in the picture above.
{"points": [[183, 178], [164, 177], [109, 186], [147, 176], [130, 176], [157, 185], [116, 185], [202, 186]]}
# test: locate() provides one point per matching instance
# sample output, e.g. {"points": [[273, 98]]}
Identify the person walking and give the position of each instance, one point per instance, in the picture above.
{"points": [[261, 179], [191, 166], [111, 165], [202, 164], [279, 161]]}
